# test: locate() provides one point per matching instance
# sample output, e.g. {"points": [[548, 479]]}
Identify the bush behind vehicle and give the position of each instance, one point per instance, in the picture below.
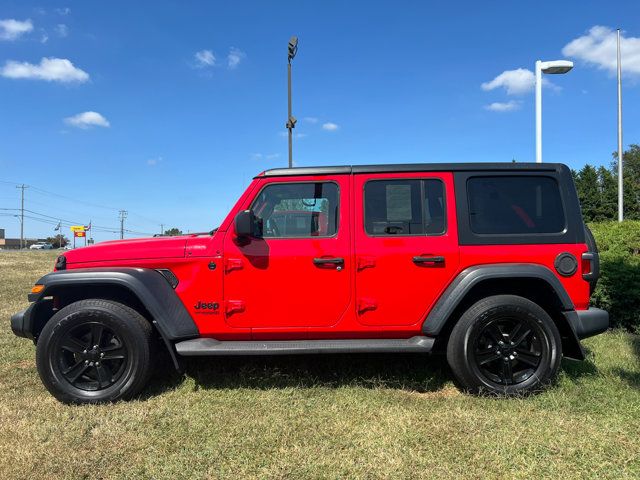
{"points": [[618, 290]]}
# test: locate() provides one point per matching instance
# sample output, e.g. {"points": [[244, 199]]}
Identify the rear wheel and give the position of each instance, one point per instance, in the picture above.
{"points": [[94, 351], [506, 345]]}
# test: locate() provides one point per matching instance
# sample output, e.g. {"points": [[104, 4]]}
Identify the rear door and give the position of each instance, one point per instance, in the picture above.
{"points": [[298, 273], [406, 245]]}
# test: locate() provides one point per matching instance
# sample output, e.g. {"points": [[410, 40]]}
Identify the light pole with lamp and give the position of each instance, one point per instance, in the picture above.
{"points": [[553, 67]]}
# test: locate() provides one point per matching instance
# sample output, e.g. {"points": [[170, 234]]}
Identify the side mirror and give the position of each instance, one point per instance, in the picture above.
{"points": [[248, 225]]}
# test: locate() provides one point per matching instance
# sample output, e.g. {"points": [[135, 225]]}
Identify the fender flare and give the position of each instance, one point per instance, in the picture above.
{"points": [[472, 276], [149, 286]]}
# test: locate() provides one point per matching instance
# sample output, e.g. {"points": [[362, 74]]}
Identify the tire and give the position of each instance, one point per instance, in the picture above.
{"points": [[95, 351], [526, 361]]}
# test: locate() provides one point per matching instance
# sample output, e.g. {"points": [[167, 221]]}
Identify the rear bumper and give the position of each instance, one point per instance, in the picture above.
{"points": [[590, 322], [22, 323]]}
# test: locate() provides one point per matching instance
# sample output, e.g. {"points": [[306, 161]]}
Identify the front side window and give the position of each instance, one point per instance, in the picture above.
{"points": [[404, 207], [510, 205], [298, 210]]}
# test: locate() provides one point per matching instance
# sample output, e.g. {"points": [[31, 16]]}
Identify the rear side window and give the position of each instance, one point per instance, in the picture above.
{"points": [[302, 210], [512, 205], [404, 207]]}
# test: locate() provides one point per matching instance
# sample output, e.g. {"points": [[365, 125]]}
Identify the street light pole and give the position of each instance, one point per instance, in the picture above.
{"points": [[620, 153], [291, 120], [552, 67], [538, 112]]}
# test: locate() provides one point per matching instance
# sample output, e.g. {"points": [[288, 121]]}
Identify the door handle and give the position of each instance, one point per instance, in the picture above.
{"points": [[428, 261], [337, 261]]}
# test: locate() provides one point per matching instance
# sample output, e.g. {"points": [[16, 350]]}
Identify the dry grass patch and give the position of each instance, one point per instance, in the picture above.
{"points": [[357, 416]]}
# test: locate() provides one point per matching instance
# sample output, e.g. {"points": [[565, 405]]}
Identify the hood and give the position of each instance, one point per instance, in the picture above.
{"points": [[138, 249]]}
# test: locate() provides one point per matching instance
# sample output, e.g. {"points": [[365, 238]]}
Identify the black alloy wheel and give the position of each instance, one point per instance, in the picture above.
{"points": [[95, 351], [506, 345], [92, 356], [508, 350]]}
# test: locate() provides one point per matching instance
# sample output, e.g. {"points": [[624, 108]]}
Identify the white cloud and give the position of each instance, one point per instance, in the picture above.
{"points": [[503, 106], [44, 38], [205, 58], [515, 82], [331, 127], [11, 29], [152, 162], [312, 120], [49, 69], [63, 11], [599, 48], [261, 156], [285, 133], [87, 120], [235, 57], [62, 30]]}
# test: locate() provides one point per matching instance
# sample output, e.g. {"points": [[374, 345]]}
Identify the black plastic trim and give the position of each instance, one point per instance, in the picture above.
{"points": [[21, 323], [590, 322], [210, 346], [467, 279], [151, 288], [170, 276], [411, 167]]}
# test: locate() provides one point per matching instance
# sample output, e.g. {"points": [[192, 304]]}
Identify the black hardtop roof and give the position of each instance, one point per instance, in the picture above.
{"points": [[415, 167]]}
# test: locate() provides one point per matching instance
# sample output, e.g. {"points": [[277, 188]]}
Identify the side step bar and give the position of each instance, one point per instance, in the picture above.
{"points": [[210, 346]]}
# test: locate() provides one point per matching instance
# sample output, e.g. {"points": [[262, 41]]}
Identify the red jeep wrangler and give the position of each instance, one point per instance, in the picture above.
{"points": [[490, 263]]}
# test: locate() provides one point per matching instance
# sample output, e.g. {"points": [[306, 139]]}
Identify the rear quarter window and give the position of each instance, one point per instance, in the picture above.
{"points": [[513, 205]]}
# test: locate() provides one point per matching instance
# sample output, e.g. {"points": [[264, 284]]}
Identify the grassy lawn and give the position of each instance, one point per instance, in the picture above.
{"points": [[394, 416]]}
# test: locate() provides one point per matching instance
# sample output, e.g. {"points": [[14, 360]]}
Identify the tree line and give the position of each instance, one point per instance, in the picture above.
{"points": [[598, 188]]}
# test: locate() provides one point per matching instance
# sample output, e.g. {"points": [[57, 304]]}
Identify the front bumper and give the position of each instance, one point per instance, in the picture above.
{"points": [[22, 322], [589, 322]]}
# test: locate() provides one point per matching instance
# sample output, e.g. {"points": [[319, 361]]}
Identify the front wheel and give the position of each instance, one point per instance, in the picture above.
{"points": [[505, 345], [94, 351]]}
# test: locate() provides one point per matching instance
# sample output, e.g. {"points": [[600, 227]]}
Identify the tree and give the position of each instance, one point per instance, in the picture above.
{"points": [[59, 241], [608, 194], [588, 192], [173, 232], [631, 180]]}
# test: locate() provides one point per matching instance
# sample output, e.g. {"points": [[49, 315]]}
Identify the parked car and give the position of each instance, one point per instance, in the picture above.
{"points": [[489, 264], [41, 246]]}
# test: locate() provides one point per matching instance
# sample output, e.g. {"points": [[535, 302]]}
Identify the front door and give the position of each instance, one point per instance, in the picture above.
{"points": [[406, 245], [297, 273]]}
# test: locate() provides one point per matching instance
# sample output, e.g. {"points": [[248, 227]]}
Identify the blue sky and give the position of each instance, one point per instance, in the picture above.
{"points": [[168, 108]]}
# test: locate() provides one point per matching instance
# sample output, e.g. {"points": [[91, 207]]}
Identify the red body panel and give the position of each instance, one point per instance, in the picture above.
{"points": [[270, 288]]}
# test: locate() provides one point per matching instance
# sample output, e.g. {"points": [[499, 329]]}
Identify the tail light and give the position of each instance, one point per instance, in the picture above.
{"points": [[590, 266]]}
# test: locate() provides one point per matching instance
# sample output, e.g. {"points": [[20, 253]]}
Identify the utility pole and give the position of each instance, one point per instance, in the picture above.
{"points": [[161, 229], [620, 152], [22, 187], [291, 120], [123, 215]]}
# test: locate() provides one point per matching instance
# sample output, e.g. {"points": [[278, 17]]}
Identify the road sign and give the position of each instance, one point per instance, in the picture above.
{"points": [[79, 234]]}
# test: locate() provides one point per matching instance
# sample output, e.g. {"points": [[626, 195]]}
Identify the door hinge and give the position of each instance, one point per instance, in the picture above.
{"points": [[234, 306], [231, 264], [366, 262], [366, 304]]}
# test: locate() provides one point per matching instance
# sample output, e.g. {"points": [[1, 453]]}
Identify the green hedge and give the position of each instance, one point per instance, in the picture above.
{"points": [[618, 290]]}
